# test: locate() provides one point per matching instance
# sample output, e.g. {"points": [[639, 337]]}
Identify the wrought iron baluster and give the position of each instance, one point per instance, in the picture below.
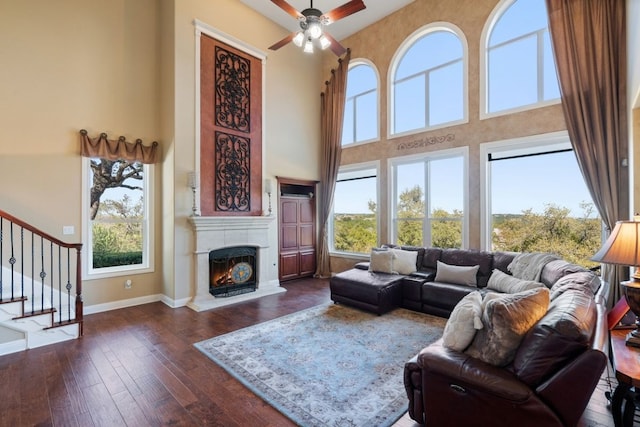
{"points": [[12, 261], [52, 270], [68, 284], [59, 284], [22, 262], [43, 273], [33, 276]]}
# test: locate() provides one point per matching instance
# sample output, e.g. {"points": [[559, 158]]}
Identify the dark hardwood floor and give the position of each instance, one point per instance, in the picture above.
{"points": [[137, 367]]}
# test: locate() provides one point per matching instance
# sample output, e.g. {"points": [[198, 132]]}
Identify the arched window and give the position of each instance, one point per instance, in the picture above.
{"points": [[429, 80], [361, 106], [519, 65]]}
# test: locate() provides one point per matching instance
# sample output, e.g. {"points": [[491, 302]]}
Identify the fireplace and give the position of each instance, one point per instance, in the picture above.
{"points": [[232, 271], [214, 233]]}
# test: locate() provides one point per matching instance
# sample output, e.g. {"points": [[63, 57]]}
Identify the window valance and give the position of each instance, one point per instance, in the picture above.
{"points": [[118, 149]]}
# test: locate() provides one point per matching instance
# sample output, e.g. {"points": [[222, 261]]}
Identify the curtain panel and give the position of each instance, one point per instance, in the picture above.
{"points": [[332, 102], [119, 149], [589, 43]]}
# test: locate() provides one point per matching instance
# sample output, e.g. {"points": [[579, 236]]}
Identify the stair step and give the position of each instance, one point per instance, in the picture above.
{"points": [[36, 313], [13, 346], [11, 300]]}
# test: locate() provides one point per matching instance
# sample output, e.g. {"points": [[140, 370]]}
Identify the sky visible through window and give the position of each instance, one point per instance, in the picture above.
{"points": [[526, 183]]}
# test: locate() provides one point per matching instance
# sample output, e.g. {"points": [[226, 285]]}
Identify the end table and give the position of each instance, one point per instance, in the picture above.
{"points": [[626, 362]]}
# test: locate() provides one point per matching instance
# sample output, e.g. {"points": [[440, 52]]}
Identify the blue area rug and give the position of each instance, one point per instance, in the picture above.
{"points": [[329, 365]]}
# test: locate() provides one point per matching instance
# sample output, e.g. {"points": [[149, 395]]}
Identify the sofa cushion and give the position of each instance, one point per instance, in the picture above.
{"points": [[506, 283], [501, 260], [381, 261], [430, 258], [529, 265], [468, 257], [506, 319], [584, 281], [465, 319], [404, 261], [564, 332], [554, 270], [456, 274]]}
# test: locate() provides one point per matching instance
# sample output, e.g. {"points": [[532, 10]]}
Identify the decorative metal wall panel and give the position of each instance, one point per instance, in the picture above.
{"points": [[233, 75], [233, 173]]}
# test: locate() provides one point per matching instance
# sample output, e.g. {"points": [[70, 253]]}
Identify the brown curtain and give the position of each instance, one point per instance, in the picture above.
{"points": [[119, 149], [589, 43], [332, 114]]}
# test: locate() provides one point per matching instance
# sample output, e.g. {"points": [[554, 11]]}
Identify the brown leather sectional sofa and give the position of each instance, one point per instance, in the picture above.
{"points": [[556, 367]]}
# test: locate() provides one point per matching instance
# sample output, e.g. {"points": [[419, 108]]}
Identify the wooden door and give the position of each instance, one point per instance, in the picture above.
{"points": [[297, 228]]}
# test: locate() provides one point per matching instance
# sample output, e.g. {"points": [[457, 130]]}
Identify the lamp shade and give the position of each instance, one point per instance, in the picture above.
{"points": [[622, 245]]}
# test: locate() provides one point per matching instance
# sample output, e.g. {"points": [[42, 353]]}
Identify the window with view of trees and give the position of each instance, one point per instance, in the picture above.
{"points": [[354, 221], [429, 200], [361, 106], [521, 71], [117, 216], [538, 201], [429, 81]]}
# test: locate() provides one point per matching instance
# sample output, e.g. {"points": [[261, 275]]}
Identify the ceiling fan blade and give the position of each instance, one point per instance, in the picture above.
{"points": [[282, 4], [335, 47], [282, 42], [343, 11]]}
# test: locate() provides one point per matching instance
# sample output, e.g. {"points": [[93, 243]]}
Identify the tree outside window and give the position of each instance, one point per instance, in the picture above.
{"points": [[117, 215]]}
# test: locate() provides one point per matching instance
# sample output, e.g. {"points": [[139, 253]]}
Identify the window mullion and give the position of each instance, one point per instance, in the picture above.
{"points": [[540, 64]]}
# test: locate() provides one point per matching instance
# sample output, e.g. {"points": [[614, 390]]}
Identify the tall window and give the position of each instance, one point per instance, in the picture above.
{"points": [[354, 221], [521, 71], [361, 106], [429, 200], [429, 81], [117, 218], [537, 200]]}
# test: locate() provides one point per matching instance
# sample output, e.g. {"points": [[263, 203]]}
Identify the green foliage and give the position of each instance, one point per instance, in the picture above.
{"points": [[117, 233], [573, 239], [355, 232], [113, 259]]}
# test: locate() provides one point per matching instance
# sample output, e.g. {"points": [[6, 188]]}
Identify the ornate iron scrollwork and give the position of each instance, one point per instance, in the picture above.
{"points": [[232, 173], [233, 77]]}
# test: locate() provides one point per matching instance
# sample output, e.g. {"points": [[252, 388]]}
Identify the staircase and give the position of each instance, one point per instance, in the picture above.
{"points": [[40, 287]]}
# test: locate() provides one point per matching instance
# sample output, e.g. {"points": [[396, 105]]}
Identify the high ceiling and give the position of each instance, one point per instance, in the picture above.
{"points": [[376, 10]]}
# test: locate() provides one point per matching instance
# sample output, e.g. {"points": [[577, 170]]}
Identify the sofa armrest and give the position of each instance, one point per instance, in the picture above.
{"points": [[570, 389], [464, 371]]}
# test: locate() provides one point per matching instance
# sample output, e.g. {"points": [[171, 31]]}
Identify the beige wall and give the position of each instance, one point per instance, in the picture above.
{"points": [[379, 43], [68, 65], [126, 67]]}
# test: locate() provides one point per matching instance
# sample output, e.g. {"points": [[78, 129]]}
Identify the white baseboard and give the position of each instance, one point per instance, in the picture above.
{"points": [[114, 305], [175, 303]]}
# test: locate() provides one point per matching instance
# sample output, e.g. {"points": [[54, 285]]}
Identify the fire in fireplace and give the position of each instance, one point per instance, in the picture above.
{"points": [[232, 271]]}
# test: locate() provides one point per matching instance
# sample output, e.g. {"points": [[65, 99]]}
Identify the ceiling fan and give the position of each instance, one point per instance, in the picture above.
{"points": [[312, 21]]}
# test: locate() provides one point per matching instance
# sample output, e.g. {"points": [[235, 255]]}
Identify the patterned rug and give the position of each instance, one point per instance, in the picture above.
{"points": [[329, 365]]}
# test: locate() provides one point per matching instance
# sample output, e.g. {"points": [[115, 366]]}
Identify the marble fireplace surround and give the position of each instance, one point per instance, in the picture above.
{"points": [[227, 231]]}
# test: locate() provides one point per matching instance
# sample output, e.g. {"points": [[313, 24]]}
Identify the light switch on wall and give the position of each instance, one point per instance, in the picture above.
{"points": [[68, 229]]}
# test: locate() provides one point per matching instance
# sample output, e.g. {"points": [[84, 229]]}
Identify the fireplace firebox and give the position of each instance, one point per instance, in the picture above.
{"points": [[232, 271]]}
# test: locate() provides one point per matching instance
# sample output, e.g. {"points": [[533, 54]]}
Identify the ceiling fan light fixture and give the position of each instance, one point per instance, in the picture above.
{"points": [[314, 29], [298, 39], [308, 46], [324, 42]]}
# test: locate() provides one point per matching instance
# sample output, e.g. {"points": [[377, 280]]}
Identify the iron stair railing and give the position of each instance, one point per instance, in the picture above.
{"points": [[41, 271]]}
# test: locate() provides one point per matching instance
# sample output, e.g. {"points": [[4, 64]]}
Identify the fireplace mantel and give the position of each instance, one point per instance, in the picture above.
{"points": [[216, 232]]}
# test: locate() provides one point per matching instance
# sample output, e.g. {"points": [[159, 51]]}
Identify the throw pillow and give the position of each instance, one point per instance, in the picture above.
{"points": [[506, 320], [405, 261], [502, 282], [381, 261], [456, 274], [463, 322]]}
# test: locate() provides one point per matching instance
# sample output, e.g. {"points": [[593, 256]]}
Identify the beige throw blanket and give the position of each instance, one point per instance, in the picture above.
{"points": [[529, 265]]}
